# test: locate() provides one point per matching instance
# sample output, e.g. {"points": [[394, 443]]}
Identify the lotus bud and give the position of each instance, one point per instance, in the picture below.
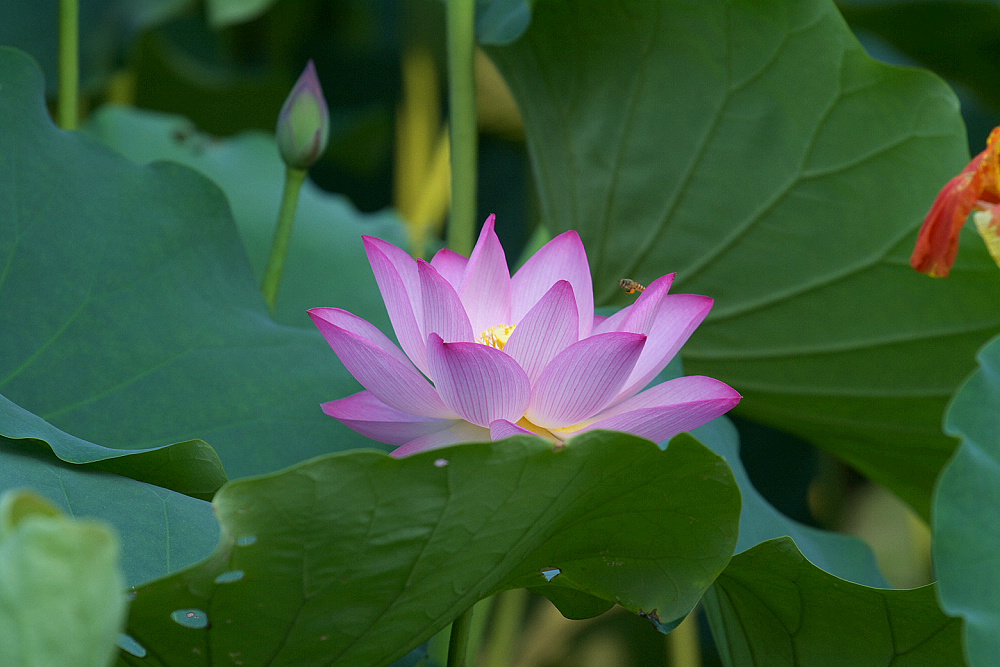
{"points": [[304, 122]]}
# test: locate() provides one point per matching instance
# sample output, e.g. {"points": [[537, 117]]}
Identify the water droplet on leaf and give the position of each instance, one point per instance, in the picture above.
{"points": [[246, 540], [440, 463], [131, 646], [190, 618], [229, 577]]}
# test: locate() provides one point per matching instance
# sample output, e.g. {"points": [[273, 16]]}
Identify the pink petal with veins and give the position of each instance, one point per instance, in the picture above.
{"points": [[485, 288], [501, 428], [459, 432], [450, 265], [583, 379], [478, 382], [367, 354], [677, 318], [562, 258], [613, 322], [642, 314], [545, 331], [398, 281], [443, 310], [374, 419], [663, 411]]}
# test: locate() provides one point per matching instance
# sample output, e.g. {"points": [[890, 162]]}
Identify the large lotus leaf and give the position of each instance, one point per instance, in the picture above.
{"points": [[192, 467], [326, 264], [356, 558], [756, 150], [130, 314], [161, 531], [966, 518], [773, 607], [61, 590]]}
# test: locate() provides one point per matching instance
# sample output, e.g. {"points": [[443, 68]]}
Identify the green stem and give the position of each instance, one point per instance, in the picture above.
{"points": [[507, 618], [461, 27], [459, 641], [282, 235], [69, 63]]}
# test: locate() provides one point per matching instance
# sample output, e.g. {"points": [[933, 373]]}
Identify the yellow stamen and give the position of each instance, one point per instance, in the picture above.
{"points": [[557, 439], [496, 336]]}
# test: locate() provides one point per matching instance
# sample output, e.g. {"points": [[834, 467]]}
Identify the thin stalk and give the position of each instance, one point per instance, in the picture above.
{"points": [[461, 30], [459, 641], [683, 642], [69, 64], [282, 235], [481, 612], [508, 616]]}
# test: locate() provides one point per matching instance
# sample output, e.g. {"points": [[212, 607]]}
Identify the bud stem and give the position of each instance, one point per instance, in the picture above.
{"points": [[461, 30], [508, 614], [459, 641], [282, 235], [69, 63]]}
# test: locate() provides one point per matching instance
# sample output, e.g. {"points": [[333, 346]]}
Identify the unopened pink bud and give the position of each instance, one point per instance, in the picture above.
{"points": [[304, 122]]}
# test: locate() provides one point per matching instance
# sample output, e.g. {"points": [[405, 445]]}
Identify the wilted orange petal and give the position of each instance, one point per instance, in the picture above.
{"points": [[937, 242]]}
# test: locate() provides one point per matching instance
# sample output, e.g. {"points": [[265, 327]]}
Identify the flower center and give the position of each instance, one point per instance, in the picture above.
{"points": [[496, 336]]}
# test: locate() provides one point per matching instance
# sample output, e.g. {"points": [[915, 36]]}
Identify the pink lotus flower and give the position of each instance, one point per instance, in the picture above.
{"points": [[509, 355]]}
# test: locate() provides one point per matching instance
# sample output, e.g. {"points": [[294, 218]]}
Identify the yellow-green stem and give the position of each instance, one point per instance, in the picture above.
{"points": [[282, 235], [69, 64], [459, 641], [684, 644], [461, 29], [508, 616]]}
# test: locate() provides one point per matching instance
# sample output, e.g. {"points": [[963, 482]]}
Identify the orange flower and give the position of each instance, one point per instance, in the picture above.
{"points": [[977, 188]]}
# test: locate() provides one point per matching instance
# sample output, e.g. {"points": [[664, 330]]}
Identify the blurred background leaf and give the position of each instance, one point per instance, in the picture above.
{"points": [[954, 38], [225, 12], [106, 26], [327, 265], [840, 555]]}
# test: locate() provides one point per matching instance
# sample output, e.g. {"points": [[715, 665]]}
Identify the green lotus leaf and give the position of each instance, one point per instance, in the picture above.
{"points": [[356, 558], [191, 467], [966, 517], [130, 313], [161, 531], [773, 607], [756, 150]]}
